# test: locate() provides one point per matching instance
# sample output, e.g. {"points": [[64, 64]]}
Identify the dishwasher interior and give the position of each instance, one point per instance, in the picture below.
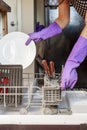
{"points": [[37, 94]]}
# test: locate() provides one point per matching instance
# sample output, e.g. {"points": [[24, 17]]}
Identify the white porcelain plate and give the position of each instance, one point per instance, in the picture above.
{"points": [[14, 51]]}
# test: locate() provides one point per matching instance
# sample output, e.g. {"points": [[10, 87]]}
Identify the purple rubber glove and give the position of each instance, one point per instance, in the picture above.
{"points": [[52, 30], [76, 57]]}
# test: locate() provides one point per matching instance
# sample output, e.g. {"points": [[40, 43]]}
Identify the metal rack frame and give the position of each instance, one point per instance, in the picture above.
{"points": [[18, 89]]}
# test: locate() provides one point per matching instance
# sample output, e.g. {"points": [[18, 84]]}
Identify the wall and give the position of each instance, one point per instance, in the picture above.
{"points": [[1, 33], [27, 16], [28, 23], [40, 11]]}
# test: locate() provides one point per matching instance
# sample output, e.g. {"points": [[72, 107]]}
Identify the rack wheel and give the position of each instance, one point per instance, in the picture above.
{"points": [[47, 111], [23, 111], [51, 110]]}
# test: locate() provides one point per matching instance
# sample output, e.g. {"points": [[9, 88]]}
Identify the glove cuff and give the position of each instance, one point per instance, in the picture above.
{"points": [[79, 52], [52, 30]]}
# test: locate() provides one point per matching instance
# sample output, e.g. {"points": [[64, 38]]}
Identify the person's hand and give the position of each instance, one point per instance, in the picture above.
{"points": [[45, 33], [33, 36], [69, 76], [76, 57]]}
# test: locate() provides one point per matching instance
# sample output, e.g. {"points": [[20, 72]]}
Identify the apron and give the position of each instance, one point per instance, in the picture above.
{"points": [[80, 6]]}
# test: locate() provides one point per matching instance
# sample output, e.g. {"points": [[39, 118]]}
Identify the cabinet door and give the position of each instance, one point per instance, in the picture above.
{"points": [[1, 33], [14, 17]]}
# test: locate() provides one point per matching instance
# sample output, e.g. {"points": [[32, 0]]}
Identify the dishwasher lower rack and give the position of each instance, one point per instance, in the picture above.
{"points": [[37, 91], [10, 75]]}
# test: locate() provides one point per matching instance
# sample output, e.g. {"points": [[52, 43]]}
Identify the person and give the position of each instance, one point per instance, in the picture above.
{"points": [[79, 52]]}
